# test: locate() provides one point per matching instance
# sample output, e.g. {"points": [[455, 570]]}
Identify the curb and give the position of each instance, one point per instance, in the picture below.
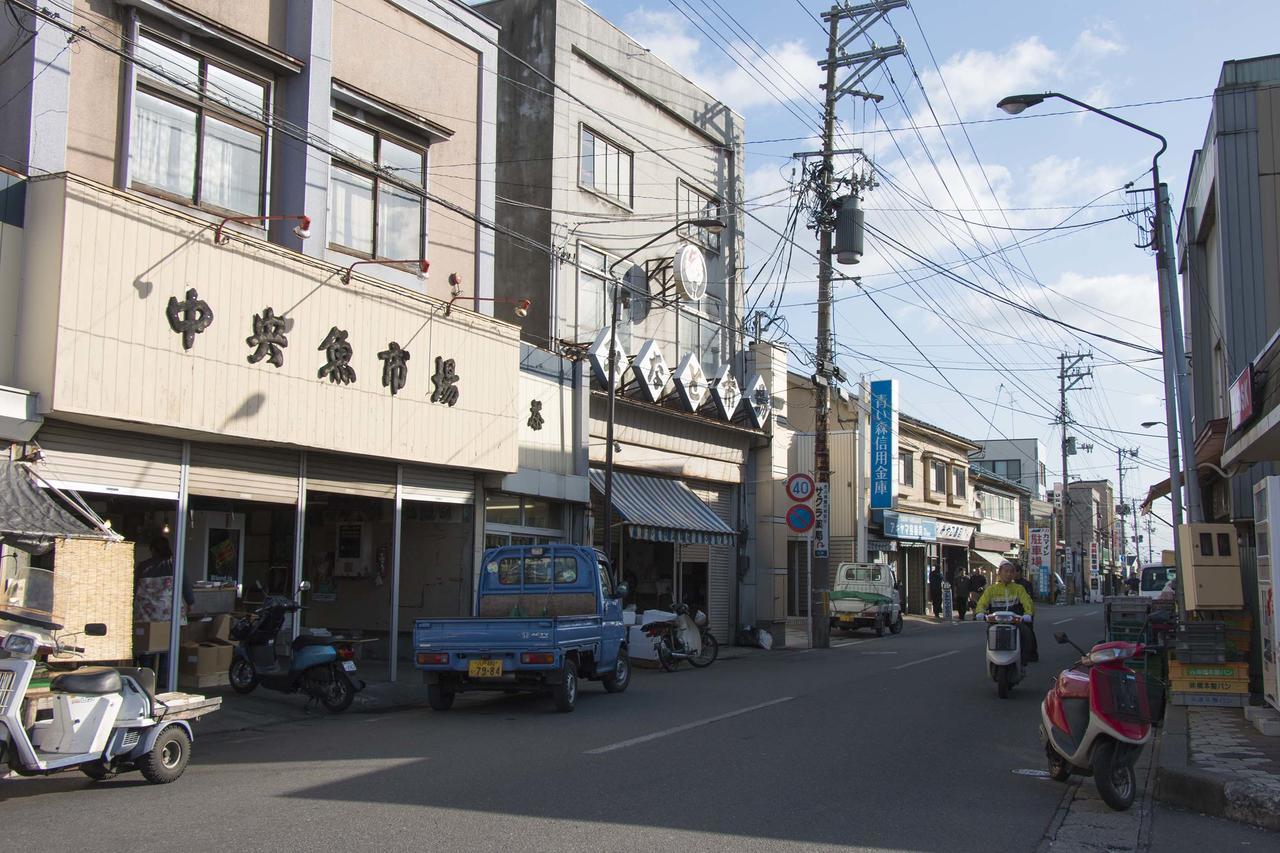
{"points": [[1178, 783]]}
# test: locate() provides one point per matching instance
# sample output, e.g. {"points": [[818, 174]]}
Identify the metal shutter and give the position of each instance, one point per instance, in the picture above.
{"points": [[351, 475], [244, 473], [720, 560], [437, 485], [93, 459]]}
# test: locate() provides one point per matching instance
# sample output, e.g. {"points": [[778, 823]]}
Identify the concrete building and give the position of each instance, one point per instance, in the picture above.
{"points": [[1001, 531], [1094, 533], [1021, 460], [284, 404], [608, 150]]}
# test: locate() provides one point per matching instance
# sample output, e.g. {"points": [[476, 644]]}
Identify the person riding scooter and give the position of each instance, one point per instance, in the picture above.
{"points": [[1008, 594]]}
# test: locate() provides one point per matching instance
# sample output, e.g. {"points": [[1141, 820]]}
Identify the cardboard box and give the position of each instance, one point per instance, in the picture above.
{"points": [[198, 658], [187, 681], [220, 627], [225, 650], [150, 637]]}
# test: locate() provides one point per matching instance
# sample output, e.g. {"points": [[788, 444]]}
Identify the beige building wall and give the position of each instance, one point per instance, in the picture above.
{"points": [[106, 263], [918, 498]]}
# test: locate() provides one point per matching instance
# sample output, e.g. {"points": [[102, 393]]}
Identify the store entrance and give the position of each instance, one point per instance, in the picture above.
{"points": [[436, 545]]}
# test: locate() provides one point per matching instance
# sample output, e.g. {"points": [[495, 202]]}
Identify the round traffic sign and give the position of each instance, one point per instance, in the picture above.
{"points": [[800, 518], [800, 487]]}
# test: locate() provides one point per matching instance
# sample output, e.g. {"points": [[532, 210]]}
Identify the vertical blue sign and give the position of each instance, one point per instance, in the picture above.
{"points": [[884, 442]]}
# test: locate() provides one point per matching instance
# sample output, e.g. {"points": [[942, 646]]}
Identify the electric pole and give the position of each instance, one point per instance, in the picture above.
{"points": [[860, 66], [1070, 375], [1150, 554], [1121, 453]]}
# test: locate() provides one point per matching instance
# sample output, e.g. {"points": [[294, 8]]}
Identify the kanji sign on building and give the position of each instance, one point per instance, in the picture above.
{"points": [[884, 441], [821, 510], [1039, 559]]}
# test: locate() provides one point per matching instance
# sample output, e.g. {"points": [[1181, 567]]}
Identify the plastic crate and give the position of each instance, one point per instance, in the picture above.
{"points": [[1182, 669], [1189, 655], [1213, 700]]}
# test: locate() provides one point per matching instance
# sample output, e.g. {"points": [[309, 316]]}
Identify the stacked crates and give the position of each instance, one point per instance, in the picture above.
{"points": [[1128, 619], [1212, 666]]}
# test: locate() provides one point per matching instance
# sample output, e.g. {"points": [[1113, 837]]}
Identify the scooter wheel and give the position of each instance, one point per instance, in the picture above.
{"points": [[1117, 783], [168, 757], [242, 675]]}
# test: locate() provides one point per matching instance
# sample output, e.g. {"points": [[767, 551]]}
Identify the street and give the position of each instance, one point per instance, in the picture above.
{"points": [[894, 744]]}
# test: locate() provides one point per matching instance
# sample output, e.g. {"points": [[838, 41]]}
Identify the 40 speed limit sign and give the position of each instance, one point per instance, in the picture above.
{"points": [[800, 488]]}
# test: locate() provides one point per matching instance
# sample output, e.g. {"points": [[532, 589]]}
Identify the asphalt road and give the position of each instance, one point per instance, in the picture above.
{"points": [[893, 744]]}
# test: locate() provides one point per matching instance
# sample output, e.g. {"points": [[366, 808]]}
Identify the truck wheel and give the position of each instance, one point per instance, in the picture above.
{"points": [[621, 676], [168, 756], [896, 626], [439, 698], [565, 694]]}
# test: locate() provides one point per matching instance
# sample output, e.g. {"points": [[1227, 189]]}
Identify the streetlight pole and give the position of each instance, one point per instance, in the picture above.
{"points": [[715, 226], [1177, 392]]}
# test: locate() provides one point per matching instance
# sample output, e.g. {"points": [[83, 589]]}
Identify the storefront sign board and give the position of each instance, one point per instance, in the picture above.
{"points": [[884, 441], [821, 505], [899, 525]]}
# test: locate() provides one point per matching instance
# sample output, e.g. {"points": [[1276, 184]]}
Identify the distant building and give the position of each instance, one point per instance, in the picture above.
{"points": [[1021, 460]]}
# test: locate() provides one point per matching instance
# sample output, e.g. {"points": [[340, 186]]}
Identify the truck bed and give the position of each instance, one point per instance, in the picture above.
{"points": [[483, 634], [185, 706]]}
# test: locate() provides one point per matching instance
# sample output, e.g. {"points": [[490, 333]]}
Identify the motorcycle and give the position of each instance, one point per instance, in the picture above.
{"points": [[1004, 649], [320, 667], [1097, 716], [105, 720], [684, 637]]}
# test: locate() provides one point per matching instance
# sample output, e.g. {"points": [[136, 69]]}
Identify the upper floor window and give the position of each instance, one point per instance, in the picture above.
{"points": [[376, 203], [604, 167], [906, 470], [938, 483], [699, 331], [198, 131], [1010, 469], [694, 204], [958, 481], [595, 297]]}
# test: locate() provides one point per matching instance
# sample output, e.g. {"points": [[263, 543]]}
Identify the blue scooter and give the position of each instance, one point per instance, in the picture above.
{"points": [[321, 667]]}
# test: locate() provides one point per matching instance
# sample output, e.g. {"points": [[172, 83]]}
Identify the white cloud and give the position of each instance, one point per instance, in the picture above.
{"points": [[977, 79]]}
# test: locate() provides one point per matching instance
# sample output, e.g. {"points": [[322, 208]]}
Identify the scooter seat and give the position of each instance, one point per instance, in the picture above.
{"points": [[89, 680], [146, 679], [306, 640]]}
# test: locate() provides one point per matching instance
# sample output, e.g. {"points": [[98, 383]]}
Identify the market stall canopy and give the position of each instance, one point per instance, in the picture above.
{"points": [[991, 558], [664, 510], [1208, 455], [30, 519]]}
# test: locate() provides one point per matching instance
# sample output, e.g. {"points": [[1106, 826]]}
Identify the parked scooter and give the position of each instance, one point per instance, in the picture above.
{"points": [[105, 720], [321, 667], [1096, 718], [684, 638], [1004, 649]]}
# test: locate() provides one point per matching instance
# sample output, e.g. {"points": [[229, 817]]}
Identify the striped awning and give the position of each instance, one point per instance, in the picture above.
{"points": [[664, 510]]}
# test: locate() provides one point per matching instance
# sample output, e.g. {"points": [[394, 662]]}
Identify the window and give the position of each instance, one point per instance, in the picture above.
{"points": [[198, 133], [699, 331], [566, 570], [957, 479], [1010, 469], [604, 167], [595, 297], [376, 203], [509, 571], [939, 470], [906, 470], [693, 204], [505, 514], [998, 507], [537, 570]]}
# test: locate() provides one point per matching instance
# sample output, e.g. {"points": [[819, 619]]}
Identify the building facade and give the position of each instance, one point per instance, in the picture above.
{"points": [[220, 325], [1001, 532], [610, 156], [1021, 460]]}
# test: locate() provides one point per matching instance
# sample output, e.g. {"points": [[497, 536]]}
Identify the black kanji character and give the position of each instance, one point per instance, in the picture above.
{"points": [[189, 317], [337, 352], [535, 415], [445, 381], [268, 337], [394, 367]]}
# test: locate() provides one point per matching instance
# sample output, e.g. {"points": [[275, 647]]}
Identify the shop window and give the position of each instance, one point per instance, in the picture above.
{"points": [[958, 481], [502, 509], [377, 207], [604, 167], [595, 297], [198, 134], [694, 204], [938, 485], [699, 331]]}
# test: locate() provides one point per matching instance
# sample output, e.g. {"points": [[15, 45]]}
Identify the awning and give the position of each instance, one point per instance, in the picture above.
{"points": [[1208, 455], [664, 510], [29, 518], [991, 558]]}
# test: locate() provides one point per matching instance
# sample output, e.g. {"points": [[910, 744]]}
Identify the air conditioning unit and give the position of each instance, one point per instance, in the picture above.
{"points": [[1266, 529], [1210, 567]]}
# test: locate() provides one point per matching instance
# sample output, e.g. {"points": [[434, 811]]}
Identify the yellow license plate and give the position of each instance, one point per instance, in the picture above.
{"points": [[484, 668], [846, 618]]}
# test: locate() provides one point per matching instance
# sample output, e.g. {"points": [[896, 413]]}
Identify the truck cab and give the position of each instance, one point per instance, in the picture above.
{"points": [[546, 617]]}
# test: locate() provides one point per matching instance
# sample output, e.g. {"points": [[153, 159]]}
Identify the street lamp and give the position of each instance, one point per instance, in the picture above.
{"points": [[715, 226], [1177, 411], [1150, 424]]}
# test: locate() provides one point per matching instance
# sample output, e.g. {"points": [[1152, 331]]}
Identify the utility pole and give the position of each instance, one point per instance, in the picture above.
{"points": [[860, 66], [1070, 375], [1121, 453], [1150, 552]]}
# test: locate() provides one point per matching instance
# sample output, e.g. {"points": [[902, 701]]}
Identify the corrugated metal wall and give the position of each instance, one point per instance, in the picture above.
{"points": [[348, 475], [103, 460], [843, 446], [244, 473], [719, 558]]}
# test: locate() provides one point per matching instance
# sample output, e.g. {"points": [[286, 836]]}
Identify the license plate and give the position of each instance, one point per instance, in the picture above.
{"points": [[349, 665], [846, 618], [484, 668]]}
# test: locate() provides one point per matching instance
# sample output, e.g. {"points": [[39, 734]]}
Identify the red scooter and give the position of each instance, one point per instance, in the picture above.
{"points": [[1097, 717]]}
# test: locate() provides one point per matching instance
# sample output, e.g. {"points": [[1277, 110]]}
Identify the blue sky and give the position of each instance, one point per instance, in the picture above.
{"points": [[1027, 173]]}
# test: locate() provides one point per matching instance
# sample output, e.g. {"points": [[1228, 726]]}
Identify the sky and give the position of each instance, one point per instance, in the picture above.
{"points": [[963, 186]]}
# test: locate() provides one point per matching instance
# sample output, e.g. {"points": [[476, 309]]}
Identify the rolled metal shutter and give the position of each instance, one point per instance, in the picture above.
{"points": [[244, 473], [720, 560], [94, 459], [351, 475], [437, 485]]}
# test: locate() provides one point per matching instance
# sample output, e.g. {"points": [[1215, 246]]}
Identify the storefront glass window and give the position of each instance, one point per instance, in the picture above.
{"points": [[502, 509], [544, 514]]}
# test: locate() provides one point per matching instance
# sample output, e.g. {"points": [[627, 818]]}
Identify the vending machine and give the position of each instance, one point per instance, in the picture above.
{"points": [[1266, 526]]}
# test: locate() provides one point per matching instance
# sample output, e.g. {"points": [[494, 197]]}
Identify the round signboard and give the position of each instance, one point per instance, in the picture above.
{"points": [[691, 271], [800, 487], [800, 518]]}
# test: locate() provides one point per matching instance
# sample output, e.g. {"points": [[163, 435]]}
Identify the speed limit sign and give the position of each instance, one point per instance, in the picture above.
{"points": [[800, 487]]}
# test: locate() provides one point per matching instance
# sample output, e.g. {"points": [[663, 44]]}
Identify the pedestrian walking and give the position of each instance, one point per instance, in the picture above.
{"points": [[935, 592], [962, 594]]}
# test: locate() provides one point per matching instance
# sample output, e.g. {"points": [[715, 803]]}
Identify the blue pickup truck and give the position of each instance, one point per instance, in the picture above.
{"points": [[546, 616]]}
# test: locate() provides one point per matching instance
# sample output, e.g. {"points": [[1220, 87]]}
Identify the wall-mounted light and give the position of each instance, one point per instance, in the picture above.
{"points": [[521, 308], [302, 229], [423, 267]]}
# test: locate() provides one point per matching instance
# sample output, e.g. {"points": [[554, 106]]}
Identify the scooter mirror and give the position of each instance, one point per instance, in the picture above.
{"points": [[1061, 637], [304, 586], [95, 629], [621, 590]]}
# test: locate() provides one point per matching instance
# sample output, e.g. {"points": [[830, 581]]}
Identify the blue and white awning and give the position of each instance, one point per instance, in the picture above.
{"points": [[664, 510]]}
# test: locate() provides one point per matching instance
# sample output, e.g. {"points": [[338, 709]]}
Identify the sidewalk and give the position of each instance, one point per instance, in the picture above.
{"points": [[264, 708], [1214, 760]]}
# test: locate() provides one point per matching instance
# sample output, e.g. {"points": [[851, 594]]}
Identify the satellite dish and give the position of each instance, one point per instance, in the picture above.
{"points": [[690, 267]]}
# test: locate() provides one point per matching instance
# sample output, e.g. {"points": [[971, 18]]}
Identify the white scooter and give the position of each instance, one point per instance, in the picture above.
{"points": [[104, 720], [1004, 649]]}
